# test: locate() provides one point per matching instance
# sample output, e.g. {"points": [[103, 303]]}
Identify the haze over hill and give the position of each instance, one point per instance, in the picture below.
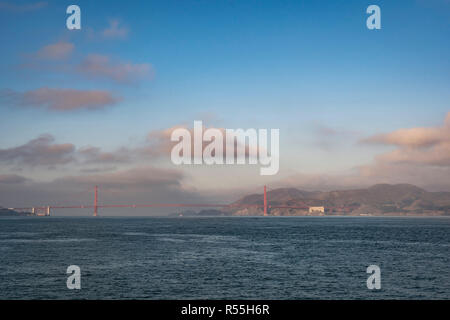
{"points": [[380, 199]]}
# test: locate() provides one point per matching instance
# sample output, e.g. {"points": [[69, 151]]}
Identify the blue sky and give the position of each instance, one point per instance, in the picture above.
{"points": [[310, 68]]}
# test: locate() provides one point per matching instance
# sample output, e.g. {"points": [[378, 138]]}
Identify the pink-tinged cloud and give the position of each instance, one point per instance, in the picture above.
{"points": [[420, 146], [100, 66], [15, 7], [414, 137], [60, 99], [421, 157], [115, 30], [56, 51], [437, 155]]}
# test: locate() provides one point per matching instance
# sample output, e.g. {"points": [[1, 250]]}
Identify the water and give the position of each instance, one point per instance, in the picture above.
{"points": [[225, 258]]}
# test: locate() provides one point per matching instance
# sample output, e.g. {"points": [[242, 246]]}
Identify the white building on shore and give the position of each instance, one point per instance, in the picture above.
{"points": [[320, 210]]}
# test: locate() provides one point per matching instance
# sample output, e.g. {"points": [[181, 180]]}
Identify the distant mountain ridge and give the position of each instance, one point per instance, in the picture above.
{"points": [[380, 199]]}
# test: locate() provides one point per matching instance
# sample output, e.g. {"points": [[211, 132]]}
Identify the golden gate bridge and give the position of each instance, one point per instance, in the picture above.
{"points": [[45, 210]]}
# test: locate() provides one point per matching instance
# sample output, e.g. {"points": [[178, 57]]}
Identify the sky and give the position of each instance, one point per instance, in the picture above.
{"points": [[354, 106]]}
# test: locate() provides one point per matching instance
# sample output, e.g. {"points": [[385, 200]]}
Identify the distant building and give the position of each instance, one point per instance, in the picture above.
{"points": [[40, 212], [316, 209]]}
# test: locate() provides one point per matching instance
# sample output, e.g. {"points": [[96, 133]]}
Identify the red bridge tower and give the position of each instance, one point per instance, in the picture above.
{"points": [[96, 201], [265, 201]]}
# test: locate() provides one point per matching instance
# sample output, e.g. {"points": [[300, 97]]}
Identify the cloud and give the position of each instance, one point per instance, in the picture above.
{"points": [[55, 57], [50, 58], [43, 151], [429, 178], [414, 137], [432, 178], [39, 151], [97, 169], [159, 142], [14, 7], [115, 30], [421, 157], [141, 177], [420, 146], [12, 179], [60, 99], [100, 66], [141, 185], [438, 155], [55, 51], [95, 155]]}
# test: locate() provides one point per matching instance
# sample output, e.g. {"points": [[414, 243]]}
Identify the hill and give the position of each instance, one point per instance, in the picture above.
{"points": [[380, 199], [4, 212]]}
